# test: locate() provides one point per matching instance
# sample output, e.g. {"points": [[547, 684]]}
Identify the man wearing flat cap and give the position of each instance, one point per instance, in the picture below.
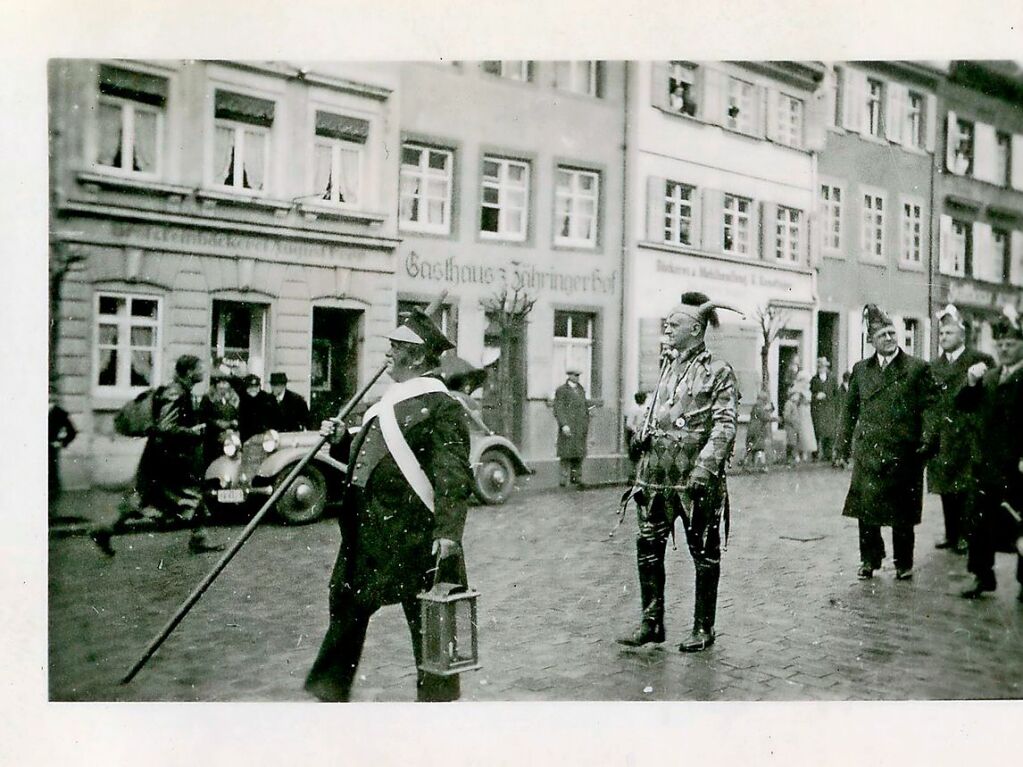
{"points": [[403, 509], [886, 427], [949, 472], [573, 417], [685, 444], [292, 413], [995, 394]]}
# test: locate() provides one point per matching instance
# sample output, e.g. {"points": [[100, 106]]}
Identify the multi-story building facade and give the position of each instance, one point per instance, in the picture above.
{"points": [[226, 210], [511, 178], [874, 204], [979, 194], [720, 196]]}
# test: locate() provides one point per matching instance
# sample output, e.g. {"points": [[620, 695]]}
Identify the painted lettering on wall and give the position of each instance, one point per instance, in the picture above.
{"points": [[724, 274], [515, 274], [968, 293]]}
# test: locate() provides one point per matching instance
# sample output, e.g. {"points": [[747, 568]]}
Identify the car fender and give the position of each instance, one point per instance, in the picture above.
{"points": [[224, 469], [481, 443], [282, 458]]}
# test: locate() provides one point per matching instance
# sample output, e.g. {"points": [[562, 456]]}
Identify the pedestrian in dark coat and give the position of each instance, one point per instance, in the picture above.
{"points": [[886, 429], [402, 520], [823, 396], [170, 469], [996, 396], [62, 433], [257, 410], [219, 411], [292, 412], [949, 472], [573, 417]]}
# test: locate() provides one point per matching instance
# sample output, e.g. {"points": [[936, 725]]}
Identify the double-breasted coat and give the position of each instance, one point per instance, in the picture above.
{"points": [[886, 428], [292, 413], [570, 409], [823, 409], [950, 470]]}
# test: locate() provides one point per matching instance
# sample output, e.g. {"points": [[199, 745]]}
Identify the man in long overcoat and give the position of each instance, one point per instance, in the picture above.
{"points": [[573, 417], [292, 412], [949, 472], [403, 510], [886, 428], [996, 396], [823, 396]]}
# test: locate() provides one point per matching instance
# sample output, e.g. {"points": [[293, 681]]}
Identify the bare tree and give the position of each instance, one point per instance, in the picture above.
{"points": [[771, 320], [508, 309]]}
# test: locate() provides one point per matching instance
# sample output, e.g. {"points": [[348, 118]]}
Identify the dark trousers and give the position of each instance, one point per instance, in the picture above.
{"points": [[985, 533], [571, 471], [333, 672], [825, 446], [953, 508], [872, 545]]}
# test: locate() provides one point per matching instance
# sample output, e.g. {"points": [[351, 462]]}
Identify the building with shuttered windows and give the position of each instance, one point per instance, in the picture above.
{"points": [[720, 191], [979, 194]]}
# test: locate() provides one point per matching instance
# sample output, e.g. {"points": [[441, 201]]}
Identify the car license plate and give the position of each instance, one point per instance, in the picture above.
{"points": [[232, 495]]}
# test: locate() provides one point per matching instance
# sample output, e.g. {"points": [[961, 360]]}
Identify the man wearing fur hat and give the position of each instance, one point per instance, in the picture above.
{"points": [[686, 441], [995, 394], [886, 427], [403, 509], [948, 473]]}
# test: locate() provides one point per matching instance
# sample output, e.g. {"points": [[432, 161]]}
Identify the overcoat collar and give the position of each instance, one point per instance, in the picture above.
{"points": [[876, 380]]}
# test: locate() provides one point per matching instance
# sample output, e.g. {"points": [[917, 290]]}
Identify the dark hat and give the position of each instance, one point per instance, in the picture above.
{"points": [[1007, 325], [456, 372], [876, 319], [573, 370], [278, 379], [416, 327], [697, 299], [252, 380]]}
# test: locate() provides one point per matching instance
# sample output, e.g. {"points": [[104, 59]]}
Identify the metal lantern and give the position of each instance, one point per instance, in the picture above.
{"points": [[450, 639]]}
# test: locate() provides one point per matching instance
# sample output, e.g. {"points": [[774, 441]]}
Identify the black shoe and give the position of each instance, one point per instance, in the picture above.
{"points": [[866, 572], [978, 589], [944, 545], [904, 573], [102, 540], [699, 640], [645, 634], [202, 546], [962, 547]]}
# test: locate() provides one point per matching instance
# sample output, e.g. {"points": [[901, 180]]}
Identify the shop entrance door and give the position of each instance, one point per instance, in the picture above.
{"points": [[334, 367], [827, 338]]}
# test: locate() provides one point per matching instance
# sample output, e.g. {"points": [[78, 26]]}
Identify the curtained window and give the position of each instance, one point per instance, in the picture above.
{"points": [[127, 342], [129, 121], [241, 144], [425, 189]]}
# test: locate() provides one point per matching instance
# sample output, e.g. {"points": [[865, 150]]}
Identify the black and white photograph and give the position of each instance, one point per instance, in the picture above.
{"points": [[412, 378]]}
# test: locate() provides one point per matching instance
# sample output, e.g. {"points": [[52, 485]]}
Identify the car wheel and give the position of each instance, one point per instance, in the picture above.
{"points": [[495, 477], [305, 500]]}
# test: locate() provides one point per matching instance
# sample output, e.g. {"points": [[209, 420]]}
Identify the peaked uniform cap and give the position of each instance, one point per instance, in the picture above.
{"points": [[417, 328], [876, 319]]}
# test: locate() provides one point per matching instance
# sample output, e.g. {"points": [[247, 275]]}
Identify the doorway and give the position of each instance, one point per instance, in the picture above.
{"points": [[334, 365], [827, 337], [788, 367], [239, 335]]}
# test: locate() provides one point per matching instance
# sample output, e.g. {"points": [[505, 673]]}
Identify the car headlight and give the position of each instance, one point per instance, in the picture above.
{"points": [[270, 441], [232, 443]]}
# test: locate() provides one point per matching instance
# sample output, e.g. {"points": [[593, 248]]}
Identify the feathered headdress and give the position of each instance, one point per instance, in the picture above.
{"points": [[875, 318], [1008, 325], [706, 309], [951, 314]]}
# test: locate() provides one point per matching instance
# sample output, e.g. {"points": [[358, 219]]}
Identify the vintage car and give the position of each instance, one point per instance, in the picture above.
{"points": [[247, 474]]}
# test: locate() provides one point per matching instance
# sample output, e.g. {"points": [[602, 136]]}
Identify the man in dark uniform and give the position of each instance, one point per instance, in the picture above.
{"points": [[573, 417], [403, 510], [823, 396], [292, 413], [257, 409], [686, 443], [949, 472], [996, 396], [169, 473], [886, 428]]}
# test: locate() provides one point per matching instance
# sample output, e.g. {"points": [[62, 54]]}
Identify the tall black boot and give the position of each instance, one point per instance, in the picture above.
{"points": [[704, 610], [651, 592]]}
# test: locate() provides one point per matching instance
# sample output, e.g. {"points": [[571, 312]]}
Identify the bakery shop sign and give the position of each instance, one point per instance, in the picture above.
{"points": [[516, 275]]}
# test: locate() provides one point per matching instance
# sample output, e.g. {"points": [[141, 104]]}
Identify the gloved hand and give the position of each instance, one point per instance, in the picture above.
{"points": [[333, 429], [975, 372], [700, 482], [445, 547], [566, 429]]}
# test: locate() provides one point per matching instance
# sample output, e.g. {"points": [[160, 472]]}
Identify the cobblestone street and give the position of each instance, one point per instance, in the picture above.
{"points": [[794, 623]]}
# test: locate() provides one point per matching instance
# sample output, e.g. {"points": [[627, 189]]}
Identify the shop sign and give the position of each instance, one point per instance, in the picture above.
{"points": [[516, 275], [969, 294], [749, 277]]}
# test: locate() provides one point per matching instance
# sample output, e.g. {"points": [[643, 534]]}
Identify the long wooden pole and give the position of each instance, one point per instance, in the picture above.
{"points": [[250, 528]]}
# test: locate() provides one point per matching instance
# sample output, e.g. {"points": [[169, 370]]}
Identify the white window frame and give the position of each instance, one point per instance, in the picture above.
{"points": [[128, 109], [966, 161], [336, 147], [908, 335], [679, 206], [874, 117], [788, 234], [742, 94], [915, 118], [789, 130], [832, 211], [1003, 254], [240, 129], [957, 256], [682, 75], [730, 218], [575, 196], [578, 351], [502, 184], [877, 235], [124, 324], [1003, 159], [256, 364], [424, 173], [907, 223], [579, 80]]}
